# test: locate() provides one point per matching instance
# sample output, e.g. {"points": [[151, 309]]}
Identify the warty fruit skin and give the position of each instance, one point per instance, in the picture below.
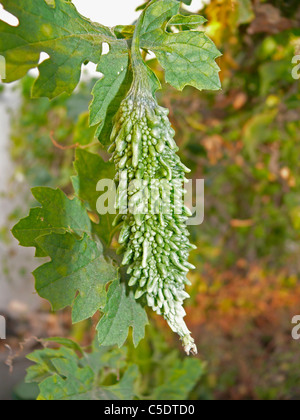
{"points": [[153, 232]]}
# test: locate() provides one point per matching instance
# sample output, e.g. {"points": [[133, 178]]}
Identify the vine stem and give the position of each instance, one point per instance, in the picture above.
{"points": [[140, 77], [72, 146]]}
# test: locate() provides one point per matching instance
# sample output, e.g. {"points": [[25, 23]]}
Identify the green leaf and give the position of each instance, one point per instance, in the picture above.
{"points": [[187, 57], [83, 133], [76, 276], [90, 169], [157, 15], [58, 214], [77, 385], [57, 29], [124, 390], [110, 90], [189, 22], [62, 375], [73, 383], [43, 368], [180, 381], [124, 31], [121, 312], [109, 357]]}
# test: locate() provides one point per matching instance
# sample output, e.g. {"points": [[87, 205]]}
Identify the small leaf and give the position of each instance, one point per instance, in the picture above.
{"points": [[187, 57], [58, 214], [121, 312], [124, 31], [77, 266]]}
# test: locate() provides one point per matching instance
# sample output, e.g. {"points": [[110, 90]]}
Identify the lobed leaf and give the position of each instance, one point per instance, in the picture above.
{"points": [[58, 214], [76, 276], [55, 28], [121, 312], [62, 375], [187, 57]]}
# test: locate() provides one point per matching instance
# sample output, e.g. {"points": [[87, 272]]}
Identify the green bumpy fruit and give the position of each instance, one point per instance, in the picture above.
{"points": [[154, 237]]}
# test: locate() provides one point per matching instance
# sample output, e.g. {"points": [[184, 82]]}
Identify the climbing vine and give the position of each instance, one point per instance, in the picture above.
{"points": [[84, 270]]}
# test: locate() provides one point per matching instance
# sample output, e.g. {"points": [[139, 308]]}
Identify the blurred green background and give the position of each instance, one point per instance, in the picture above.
{"points": [[245, 142]]}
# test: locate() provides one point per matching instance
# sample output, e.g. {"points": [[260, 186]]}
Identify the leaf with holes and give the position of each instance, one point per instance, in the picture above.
{"points": [[55, 28]]}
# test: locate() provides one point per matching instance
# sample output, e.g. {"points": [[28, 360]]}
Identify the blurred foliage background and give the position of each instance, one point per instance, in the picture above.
{"points": [[245, 142]]}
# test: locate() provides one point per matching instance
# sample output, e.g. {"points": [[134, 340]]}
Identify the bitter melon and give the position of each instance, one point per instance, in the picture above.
{"points": [[154, 236]]}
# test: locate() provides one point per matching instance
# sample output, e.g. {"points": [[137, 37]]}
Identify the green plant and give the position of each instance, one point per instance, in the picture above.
{"points": [[155, 242], [66, 371], [124, 109]]}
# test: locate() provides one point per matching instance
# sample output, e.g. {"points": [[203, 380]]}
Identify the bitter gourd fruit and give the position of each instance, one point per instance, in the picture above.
{"points": [[154, 236]]}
